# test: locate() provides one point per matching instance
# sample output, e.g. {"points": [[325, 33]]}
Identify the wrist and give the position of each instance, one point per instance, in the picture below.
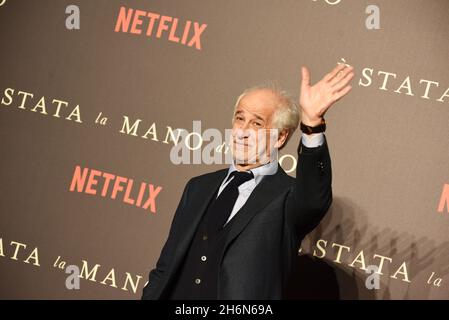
{"points": [[312, 122], [315, 128]]}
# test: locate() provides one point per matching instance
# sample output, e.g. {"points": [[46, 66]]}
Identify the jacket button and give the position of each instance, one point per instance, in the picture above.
{"points": [[321, 166], [197, 281], [203, 258], [204, 236]]}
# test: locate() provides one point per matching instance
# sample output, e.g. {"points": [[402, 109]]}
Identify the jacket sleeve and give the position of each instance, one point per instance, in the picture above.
{"points": [[312, 190], [168, 249]]}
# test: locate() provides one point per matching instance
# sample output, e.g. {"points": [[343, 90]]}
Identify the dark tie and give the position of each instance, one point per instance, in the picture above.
{"points": [[222, 206]]}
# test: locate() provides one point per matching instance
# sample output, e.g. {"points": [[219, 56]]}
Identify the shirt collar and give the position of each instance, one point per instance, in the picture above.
{"points": [[267, 169]]}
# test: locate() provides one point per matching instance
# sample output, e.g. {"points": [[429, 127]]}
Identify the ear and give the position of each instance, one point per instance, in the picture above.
{"points": [[283, 135]]}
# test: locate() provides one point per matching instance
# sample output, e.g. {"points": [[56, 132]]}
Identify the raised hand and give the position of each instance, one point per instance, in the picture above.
{"points": [[315, 100]]}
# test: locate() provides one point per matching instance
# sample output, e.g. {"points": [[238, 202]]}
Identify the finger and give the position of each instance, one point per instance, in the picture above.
{"points": [[305, 79], [343, 82], [340, 76], [338, 95], [334, 72]]}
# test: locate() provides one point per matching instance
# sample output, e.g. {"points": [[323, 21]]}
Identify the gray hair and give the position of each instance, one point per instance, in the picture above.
{"points": [[286, 116]]}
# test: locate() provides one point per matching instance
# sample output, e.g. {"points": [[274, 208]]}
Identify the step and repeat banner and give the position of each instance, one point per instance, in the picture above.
{"points": [[94, 95]]}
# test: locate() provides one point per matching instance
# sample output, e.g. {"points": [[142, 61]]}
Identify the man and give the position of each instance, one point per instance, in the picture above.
{"points": [[236, 231]]}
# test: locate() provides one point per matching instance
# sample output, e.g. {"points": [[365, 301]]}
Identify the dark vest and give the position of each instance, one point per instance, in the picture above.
{"points": [[198, 275]]}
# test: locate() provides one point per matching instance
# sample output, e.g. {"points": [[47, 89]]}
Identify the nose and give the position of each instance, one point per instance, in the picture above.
{"points": [[242, 132]]}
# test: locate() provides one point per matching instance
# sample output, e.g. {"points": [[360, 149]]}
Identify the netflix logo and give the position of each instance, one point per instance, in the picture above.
{"points": [[152, 24], [444, 199], [108, 185]]}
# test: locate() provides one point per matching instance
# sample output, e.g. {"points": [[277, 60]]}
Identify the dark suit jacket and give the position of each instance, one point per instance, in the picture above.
{"points": [[264, 238]]}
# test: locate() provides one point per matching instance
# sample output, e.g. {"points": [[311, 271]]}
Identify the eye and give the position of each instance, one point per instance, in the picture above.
{"points": [[239, 118], [257, 124]]}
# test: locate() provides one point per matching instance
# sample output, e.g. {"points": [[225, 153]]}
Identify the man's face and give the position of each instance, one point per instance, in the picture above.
{"points": [[251, 143]]}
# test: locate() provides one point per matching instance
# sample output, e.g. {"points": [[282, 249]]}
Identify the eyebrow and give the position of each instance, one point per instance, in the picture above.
{"points": [[254, 114]]}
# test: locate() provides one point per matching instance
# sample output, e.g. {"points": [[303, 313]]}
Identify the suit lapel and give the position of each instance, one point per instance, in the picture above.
{"points": [[202, 194], [267, 190], [201, 197]]}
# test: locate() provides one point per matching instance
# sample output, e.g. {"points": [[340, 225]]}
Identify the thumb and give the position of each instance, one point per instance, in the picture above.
{"points": [[305, 77]]}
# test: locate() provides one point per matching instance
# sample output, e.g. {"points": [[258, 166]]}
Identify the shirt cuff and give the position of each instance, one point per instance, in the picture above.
{"points": [[312, 140]]}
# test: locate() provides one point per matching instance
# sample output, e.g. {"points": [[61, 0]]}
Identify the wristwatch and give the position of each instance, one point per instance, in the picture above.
{"points": [[315, 129]]}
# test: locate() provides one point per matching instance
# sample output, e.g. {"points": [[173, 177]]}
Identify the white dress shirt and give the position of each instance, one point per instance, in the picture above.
{"points": [[246, 188]]}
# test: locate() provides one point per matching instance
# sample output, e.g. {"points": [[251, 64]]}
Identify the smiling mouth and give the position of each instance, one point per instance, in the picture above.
{"points": [[241, 144]]}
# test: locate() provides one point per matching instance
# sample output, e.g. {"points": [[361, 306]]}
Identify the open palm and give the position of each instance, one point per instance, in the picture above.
{"points": [[315, 100]]}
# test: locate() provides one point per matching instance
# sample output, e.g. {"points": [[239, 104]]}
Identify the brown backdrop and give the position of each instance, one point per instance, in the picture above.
{"points": [[388, 139]]}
